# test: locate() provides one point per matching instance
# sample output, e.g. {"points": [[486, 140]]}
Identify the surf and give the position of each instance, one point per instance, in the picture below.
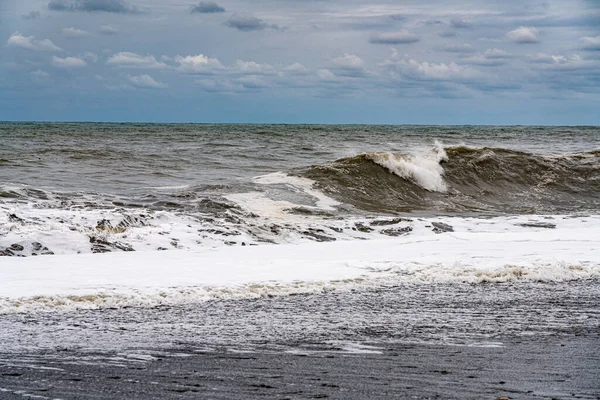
{"points": [[463, 179]]}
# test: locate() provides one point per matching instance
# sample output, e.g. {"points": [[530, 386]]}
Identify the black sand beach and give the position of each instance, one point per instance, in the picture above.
{"points": [[551, 368], [427, 341]]}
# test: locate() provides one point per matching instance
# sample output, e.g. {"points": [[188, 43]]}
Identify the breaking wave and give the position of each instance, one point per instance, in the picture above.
{"points": [[463, 179], [423, 169]]}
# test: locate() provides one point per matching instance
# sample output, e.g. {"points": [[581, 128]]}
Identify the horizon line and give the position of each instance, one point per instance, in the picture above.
{"points": [[279, 123]]}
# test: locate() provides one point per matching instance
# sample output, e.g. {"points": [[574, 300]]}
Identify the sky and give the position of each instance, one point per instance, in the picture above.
{"points": [[301, 61]]}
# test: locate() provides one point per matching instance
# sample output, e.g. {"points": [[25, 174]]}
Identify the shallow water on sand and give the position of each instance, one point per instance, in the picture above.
{"points": [[529, 341]]}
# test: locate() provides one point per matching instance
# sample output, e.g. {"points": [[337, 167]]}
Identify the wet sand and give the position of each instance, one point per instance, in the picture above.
{"points": [[534, 341], [565, 368]]}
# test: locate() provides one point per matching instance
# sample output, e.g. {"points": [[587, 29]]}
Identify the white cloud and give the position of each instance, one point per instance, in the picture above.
{"points": [[18, 40], [326, 75], [132, 60], [561, 62], [591, 43], [523, 34], [296, 69], [251, 67], [68, 62], [543, 58], [489, 58], [47, 45], [146, 81], [39, 75], [252, 82], [398, 37], [218, 86], [348, 65], [89, 56], [199, 64], [496, 54], [404, 67], [74, 32], [31, 43], [108, 30]]}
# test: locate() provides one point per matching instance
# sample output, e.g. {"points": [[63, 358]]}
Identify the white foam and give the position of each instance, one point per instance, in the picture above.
{"points": [[358, 348], [303, 184], [423, 168], [88, 281], [167, 188], [259, 204], [68, 231], [272, 210]]}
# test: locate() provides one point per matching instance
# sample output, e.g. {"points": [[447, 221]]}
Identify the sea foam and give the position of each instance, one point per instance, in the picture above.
{"points": [[148, 279]]}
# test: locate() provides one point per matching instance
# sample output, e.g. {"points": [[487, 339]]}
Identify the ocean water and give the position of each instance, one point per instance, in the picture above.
{"points": [[454, 203]]}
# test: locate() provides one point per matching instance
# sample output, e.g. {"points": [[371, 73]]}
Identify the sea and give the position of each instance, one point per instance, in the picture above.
{"points": [[62, 185], [127, 238]]}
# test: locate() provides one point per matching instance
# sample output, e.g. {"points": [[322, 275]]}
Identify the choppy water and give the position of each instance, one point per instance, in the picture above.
{"points": [[92, 184]]}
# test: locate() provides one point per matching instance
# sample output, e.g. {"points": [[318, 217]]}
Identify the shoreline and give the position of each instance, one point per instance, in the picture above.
{"points": [[563, 368], [424, 341]]}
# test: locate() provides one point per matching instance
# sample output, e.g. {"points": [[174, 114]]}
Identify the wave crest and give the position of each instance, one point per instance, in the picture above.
{"points": [[424, 168], [463, 179]]}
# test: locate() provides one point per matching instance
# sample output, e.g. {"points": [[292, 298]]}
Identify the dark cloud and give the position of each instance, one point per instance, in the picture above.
{"points": [[397, 17], [489, 58], [207, 8], [458, 48], [377, 22], [447, 34], [111, 6], [248, 23], [460, 23], [31, 15], [399, 37], [499, 87], [590, 19]]}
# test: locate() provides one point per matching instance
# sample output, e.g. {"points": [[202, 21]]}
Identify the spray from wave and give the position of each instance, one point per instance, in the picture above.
{"points": [[423, 168]]}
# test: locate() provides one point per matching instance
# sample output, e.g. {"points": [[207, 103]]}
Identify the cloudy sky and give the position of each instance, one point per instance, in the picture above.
{"points": [[327, 61]]}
